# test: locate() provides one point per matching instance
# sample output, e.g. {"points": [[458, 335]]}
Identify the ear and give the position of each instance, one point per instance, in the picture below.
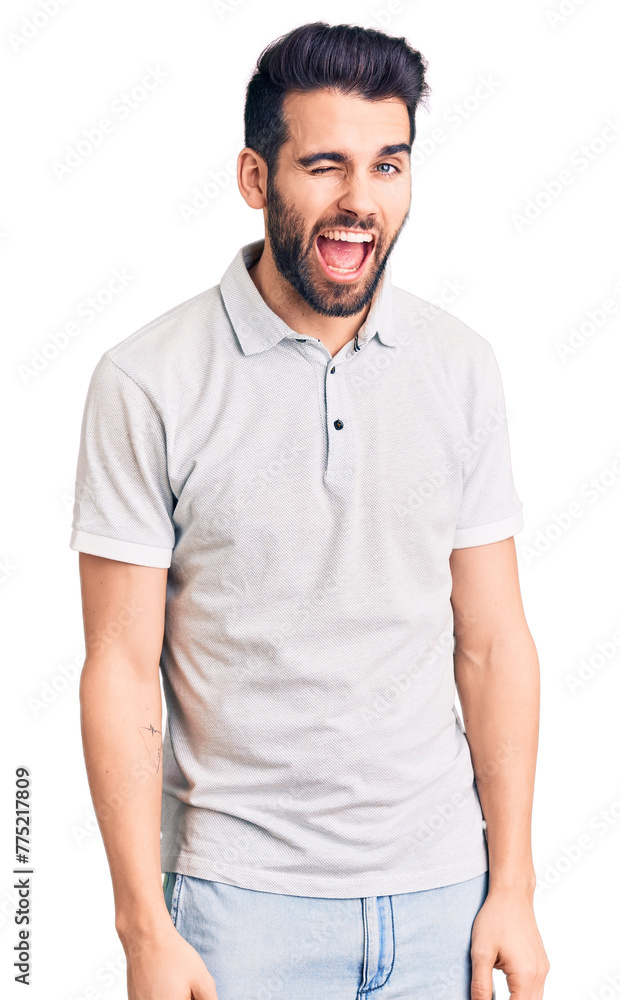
{"points": [[252, 177]]}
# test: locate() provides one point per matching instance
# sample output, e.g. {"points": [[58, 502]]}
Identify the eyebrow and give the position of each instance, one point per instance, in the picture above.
{"points": [[307, 161]]}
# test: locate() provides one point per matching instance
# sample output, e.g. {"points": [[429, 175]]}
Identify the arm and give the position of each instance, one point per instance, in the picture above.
{"points": [[498, 682], [123, 607], [121, 717]]}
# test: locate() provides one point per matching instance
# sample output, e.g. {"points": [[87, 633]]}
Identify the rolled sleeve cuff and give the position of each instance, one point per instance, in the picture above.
{"points": [[485, 533], [116, 548]]}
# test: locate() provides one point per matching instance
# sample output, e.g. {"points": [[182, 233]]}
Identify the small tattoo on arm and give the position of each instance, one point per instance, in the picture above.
{"points": [[153, 744]]}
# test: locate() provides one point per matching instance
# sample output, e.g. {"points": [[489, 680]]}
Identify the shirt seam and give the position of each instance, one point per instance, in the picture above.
{"points": [[155, 411], [128, 541], [480, 387], [489, 524]]}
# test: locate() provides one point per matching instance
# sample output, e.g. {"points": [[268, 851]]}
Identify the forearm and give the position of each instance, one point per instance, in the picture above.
{"points": [[121, 718], [499, 693]]}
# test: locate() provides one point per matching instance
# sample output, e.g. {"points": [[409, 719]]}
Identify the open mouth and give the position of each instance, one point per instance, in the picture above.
{"points": [[344, 256]]}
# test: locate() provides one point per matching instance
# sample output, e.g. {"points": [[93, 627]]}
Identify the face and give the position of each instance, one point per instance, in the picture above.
{"points": [[344, 168]]}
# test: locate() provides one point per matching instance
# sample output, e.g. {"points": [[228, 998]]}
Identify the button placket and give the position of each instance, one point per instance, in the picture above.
{"points": [[339, 426]]}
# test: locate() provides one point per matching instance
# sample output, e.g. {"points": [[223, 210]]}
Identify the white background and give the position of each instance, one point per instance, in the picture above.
{"points": [[526, 286]]}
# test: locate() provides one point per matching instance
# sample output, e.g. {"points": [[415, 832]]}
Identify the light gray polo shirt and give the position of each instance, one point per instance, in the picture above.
{"points": [[306, 507]]}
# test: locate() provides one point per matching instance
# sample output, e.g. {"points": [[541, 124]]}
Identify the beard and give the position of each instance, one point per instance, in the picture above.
{"points": [[295, 258]]}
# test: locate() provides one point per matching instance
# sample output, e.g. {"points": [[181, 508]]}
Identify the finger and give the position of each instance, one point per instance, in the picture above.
{"points": [[204, 989], [482, 979]]}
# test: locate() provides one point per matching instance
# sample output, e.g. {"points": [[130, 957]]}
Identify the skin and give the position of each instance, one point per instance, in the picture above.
{"points": [[497, 677], [496, 664]]}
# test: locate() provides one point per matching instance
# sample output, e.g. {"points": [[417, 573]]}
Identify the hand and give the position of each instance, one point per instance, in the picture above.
{"points": [[505, 936], [166, 967]]}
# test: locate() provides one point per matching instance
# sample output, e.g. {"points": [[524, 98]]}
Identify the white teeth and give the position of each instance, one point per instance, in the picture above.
{"points": [[335, 234]]}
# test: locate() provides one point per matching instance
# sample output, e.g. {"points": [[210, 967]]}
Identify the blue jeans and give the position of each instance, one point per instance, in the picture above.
{"points": [[271, 946]]}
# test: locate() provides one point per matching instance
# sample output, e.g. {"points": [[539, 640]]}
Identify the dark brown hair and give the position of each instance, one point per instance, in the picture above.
{"points": [[345, 57]]}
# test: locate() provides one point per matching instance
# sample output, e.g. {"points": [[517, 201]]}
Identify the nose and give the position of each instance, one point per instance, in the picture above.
{"points": [[357, 197]]}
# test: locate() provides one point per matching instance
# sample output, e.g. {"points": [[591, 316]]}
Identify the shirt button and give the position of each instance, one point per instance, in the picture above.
{"points": [[338, 424]]}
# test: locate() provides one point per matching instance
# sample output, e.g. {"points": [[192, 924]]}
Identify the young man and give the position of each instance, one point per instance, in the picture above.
{"points": [[294, 491]]}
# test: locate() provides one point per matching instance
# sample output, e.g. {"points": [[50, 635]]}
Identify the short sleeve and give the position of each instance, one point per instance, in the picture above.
{"points": [[123, 503], [490, 508]]}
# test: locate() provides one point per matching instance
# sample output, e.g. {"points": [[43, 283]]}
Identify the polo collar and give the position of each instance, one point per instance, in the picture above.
{"points": [[256, 325]]}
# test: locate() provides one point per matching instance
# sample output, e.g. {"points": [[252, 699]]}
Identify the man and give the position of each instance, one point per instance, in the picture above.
{"points": [[294, 492]]}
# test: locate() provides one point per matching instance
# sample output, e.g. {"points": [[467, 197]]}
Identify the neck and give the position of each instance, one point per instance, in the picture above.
{"points": [[333, 331]]}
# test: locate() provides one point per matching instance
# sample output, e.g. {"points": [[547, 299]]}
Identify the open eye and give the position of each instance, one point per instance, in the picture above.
{"points": [[396, 169]]}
